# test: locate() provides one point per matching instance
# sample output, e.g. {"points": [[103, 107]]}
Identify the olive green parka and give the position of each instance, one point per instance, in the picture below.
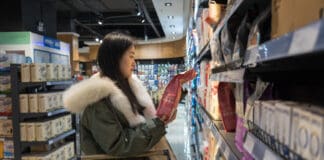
{"points": [[108, 124]]}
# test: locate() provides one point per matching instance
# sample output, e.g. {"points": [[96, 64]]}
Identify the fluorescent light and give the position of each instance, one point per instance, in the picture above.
{"points": [[99, 22], [138, 13], [168, 4], [100, 41], [97, 39], [170, 17], [143, 20]]}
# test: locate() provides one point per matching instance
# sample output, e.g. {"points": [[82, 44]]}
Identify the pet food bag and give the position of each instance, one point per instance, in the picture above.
{"points": [[172, 94]]}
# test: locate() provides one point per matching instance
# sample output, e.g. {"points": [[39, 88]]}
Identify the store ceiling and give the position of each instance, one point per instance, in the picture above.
{"points": [[147, 20]]}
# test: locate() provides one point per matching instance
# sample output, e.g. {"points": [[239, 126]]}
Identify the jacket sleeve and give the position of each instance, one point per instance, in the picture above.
{"points": [[115, 140]]}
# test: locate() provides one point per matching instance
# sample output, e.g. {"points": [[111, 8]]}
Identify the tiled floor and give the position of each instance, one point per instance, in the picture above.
{"points": [[178, 134]]}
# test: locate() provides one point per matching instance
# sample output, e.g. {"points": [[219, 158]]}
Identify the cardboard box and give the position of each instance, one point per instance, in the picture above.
{"points": [[289, 15], [51, 71], [6, 129], [23, 103], [25, 72], [33, 103], [38, 72]]}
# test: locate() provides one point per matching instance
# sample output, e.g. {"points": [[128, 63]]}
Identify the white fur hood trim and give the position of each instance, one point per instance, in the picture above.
{"points": [[89, 91]]}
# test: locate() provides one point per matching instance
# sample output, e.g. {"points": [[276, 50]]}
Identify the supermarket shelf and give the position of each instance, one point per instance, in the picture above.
{"points": [[225, 139], [5, 117], [48, 83], [204, 53], [308, 40], [258, 149], [50, 141], [42, 114], [235, 76]]}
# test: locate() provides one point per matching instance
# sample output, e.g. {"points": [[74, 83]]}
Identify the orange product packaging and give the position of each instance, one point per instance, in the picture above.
{"points": [[172, 93]]}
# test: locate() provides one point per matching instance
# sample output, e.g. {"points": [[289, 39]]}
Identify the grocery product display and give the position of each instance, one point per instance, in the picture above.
{"points": [[251, 91], [33, 122]]}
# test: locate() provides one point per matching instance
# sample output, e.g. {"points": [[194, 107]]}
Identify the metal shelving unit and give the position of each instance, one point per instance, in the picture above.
{"points": [[235, 76], [51, 140], [204, 53], [225, 139], [17, 117]]}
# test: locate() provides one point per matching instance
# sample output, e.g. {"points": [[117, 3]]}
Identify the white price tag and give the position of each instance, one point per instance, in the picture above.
{"points": [[268, 155], [305, 39], [249, 144]]}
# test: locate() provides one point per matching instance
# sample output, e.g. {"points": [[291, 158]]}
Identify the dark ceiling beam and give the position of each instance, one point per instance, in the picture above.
{"points": [[148, 17], [88, 28], [118, 24], [94, 10], [70, 5], [104, 4]]}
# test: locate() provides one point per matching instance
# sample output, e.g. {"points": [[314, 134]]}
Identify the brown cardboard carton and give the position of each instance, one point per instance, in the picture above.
{"points": [[289, 15]]}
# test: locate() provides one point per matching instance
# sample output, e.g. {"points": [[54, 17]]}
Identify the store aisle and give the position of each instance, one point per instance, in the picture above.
{"points": [[178, 136]]}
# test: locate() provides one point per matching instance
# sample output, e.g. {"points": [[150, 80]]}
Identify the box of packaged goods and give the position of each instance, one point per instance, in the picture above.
{"points": [[8, 150], [44, 102], [43, 130], [25, 72], [23, 103], [283, 115], [70, 152], [316, 135], [54, 103], [67, 74], [31, 132], [6, 129], [67, 122], [1, 148], [269, 121], [57, 126], [257, 113], [5, 84], [61, 72], [287, 15], [33, 102], [51, 73], [5, 106], [38, 72], [214, 107], [23, 131]]}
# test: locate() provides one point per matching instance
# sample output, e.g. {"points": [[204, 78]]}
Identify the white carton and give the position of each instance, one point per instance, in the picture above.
{"points": [[38, 72], [44, 101], [61, 72], [67, 74], [23, 103], [257, 113], [67, 122], [25, 72], [33, 103], [43, 130], [284, 117]]}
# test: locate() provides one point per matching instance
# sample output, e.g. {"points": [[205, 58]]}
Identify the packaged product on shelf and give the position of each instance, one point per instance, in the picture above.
{"points": [[38, 72], [257, 111], [172, 94], [8, 149], [316, 148], [215, 49], [227, 43], [62, 124], [33, 102], [51, 71], [5, 106], [43, 130], [56, 126], [67, 122], [304, 129], [44, 102], [67, 74], [31, 133], [25, 72], [268, 114], [69, 151], [61, 72], [227, 106], [1, 148], [298, 133], [23, 132], [6, 129], [23, 103], [61, 152], [241, 39], [5, 84], [213, 107]]}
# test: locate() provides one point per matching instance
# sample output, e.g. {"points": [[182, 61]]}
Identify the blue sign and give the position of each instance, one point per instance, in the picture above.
{"points": [[51, 42]]}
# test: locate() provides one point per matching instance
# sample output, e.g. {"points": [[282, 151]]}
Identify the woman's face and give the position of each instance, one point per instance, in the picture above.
{"points": [[127, 63]]}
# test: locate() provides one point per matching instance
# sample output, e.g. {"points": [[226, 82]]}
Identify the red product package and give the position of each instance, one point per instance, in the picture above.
{"points": [[172, 94], [226, 102]]}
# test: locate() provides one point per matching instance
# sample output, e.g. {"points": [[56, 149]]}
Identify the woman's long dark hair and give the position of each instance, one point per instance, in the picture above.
{"points": [[110, 52]]}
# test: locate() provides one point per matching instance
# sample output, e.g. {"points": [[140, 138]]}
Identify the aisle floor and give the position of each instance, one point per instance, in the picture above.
{"points": [[178, 134]]}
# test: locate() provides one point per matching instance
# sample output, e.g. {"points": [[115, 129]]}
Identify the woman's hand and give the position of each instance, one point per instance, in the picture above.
{"points": [[173, 117]]}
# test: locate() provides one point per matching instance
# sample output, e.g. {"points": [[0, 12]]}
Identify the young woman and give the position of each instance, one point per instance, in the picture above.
{"points": [[118, 115]]}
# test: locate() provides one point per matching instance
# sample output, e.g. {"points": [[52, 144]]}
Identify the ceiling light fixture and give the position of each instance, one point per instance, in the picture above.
{"points": [[173, 32], [138, 13], [168, 4], [170, 17], [99, 22], [172, 26], [100, 41], [97, 39], [143, 20]]}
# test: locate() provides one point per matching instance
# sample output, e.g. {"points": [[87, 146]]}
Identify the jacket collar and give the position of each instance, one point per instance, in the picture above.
{"points": [[89, 91]]}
